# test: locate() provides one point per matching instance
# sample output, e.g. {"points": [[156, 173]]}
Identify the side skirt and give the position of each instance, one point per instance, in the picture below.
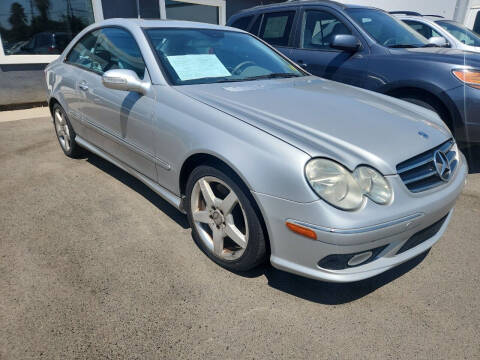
{"points": [[164, 193]]}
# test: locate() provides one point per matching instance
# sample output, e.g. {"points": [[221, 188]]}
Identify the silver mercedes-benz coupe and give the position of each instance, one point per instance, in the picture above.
{"points": [[329, 181]]}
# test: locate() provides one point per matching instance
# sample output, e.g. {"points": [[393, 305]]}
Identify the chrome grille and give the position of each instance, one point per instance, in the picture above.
{"points": [[420, 173]]}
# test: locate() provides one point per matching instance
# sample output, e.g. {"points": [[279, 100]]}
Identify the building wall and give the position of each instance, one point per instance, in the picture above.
{"points": [[22, 84], [445, 8]]}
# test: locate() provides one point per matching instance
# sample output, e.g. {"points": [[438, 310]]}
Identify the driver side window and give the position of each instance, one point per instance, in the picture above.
{"points": [[319, 29], [82, 53], [117, 49]]}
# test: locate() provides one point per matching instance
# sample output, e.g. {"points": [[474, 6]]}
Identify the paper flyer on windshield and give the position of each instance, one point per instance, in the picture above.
{"points": [[190, 67]]}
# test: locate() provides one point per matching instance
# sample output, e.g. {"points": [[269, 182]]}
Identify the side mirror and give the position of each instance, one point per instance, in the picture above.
{"points": [[126, 80], [348, 43], [438, 41]]}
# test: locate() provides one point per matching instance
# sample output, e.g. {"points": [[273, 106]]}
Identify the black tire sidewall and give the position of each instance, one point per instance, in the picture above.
{"points": [[421, 103], [255, 252]]}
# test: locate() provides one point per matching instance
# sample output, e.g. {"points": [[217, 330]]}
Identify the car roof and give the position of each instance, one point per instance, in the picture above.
{"points": [[155, 23], [413, 17], [433, 18], [294, 3]]}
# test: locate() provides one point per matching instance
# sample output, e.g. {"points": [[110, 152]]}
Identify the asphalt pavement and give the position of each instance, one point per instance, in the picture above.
{"points": [[94, 265]]}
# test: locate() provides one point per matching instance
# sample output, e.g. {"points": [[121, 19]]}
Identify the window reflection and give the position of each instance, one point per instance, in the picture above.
{"points": [[42, 27]]}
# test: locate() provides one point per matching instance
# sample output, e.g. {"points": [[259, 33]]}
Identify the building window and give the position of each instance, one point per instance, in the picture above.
{"points": [[37, 31], [41, 27], [115, 9], [179, 10], [147, 9]]}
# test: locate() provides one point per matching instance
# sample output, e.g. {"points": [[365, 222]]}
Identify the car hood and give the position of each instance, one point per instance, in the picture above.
{"points": [[438, 54], [329, 119]]}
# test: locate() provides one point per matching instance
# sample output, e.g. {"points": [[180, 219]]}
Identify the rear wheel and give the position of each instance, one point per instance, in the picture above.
{"points": [[65, 132], [223, 220]]}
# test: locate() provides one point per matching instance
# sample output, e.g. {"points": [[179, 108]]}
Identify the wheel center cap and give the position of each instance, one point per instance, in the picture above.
{"points": [[217, 218]]}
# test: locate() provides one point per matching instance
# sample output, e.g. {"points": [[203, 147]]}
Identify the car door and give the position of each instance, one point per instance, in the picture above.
{"points": [[124, 118], [317, 28], [75, 75], [277, 29]]}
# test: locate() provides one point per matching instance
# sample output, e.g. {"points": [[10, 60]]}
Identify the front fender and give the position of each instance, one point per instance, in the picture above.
{"points": [[266, 164]]}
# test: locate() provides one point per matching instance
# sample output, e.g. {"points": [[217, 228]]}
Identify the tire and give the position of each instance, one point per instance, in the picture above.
{"points": [[210, 218], [65, 133], [421, 103]]}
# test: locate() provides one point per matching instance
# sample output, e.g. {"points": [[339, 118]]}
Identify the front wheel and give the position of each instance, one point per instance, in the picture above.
{"points": [[223, 219], [65, 132]]}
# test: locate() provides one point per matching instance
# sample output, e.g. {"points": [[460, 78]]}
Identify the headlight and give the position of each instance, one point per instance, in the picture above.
{"points": [[333, 183], [373, 184], [347, 191], [468, 76]]}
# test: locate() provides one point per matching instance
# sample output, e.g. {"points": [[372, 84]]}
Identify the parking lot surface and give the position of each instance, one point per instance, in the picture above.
{"points": [[95, 265]]}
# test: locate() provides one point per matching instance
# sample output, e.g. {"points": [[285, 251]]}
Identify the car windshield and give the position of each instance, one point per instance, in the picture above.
{"points": [[387, 30], [200, 56], [463, 34]]}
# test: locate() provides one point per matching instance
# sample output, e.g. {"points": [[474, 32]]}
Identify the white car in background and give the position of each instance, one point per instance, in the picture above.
{"points": [[456, 35]]}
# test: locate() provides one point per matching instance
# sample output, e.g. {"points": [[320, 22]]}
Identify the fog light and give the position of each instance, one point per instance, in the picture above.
{"points": [[344, 261], [359, 258]]}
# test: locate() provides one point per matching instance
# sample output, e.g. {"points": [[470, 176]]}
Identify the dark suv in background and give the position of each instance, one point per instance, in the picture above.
{"points": [[368, 48]]}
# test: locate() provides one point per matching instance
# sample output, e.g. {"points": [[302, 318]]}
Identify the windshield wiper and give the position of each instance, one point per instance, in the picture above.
{"points": [[271, 76], [403, 46], [209, 80]]}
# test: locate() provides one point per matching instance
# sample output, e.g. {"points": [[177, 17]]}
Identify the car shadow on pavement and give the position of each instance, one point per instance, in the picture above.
{"points": [[139, 187], [331, 293], [472, 154], [308, 289]]}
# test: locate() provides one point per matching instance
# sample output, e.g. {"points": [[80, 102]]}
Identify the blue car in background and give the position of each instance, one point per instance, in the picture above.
{"points": [[368, 48]]}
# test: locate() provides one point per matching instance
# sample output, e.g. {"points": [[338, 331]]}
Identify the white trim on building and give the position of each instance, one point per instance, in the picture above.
{"points": [[98, 16]]}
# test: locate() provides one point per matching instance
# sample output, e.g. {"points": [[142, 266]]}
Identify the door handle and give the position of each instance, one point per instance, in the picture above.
{"points": [[83, 86]]}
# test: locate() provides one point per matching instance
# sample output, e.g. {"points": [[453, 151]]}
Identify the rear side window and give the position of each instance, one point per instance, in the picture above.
{"points": [[243, 22], [117, 49], [319, 28], [82, 52], [276, 27]]}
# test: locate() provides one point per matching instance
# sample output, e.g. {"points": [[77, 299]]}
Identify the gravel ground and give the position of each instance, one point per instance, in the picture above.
{"points": [[95, 265]]}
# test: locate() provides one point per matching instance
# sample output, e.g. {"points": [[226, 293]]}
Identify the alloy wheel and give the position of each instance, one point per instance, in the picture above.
{"points": [[63, 132], [219, 218]]}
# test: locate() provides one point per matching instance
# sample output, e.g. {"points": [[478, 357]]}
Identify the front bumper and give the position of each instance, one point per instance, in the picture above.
{"points": [[341, 232]]}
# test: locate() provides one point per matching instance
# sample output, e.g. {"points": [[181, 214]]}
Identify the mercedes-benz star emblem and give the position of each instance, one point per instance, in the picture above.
{"points": [[442, 165]]}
